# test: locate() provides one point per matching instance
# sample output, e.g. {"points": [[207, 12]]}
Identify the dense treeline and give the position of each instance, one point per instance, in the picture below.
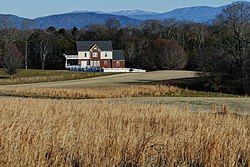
{"points": [[220, 50]]}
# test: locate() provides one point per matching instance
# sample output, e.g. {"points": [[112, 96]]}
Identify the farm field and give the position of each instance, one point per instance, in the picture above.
{"points": [[117, 79], [131, 88], [22, 73], [37, 76], [96, 84], [194, 104], [45, 132], [121, 120]]}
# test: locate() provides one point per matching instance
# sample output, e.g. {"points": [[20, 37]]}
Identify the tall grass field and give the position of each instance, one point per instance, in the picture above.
{"points": [[45, 132], [103, 92], [36, 76]]}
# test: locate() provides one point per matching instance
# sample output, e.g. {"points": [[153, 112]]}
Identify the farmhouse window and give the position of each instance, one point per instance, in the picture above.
{"points": [[95, 63], [95, 54], [98, 64], [118, 64]]}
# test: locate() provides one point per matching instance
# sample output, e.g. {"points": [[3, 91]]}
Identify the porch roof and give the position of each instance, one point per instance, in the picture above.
{"points": [[118, 55]]}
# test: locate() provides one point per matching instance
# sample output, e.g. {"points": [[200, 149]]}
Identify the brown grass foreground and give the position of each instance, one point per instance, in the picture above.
{"points": [[75, 133], [94, 92]]}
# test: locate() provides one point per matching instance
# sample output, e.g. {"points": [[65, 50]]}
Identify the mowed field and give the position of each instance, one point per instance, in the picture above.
{"points": [[117, 79], [111, 82]]}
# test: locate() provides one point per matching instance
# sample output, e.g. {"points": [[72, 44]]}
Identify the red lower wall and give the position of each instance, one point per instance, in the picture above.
{"points": [[107, 63], [118, 64]]}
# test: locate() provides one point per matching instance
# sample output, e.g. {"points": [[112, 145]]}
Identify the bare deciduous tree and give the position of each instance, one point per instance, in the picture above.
{"points": [[45, 49], [198, 32], [10, 35], [43, 46], [25, 37], [235, 41], [132, 45], [226, 58], [152, 27], [170, 55], [12, 59], [7, 33]]}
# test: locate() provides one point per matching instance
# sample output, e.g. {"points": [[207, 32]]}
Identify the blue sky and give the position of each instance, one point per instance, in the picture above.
{"points": [[36, 8]]}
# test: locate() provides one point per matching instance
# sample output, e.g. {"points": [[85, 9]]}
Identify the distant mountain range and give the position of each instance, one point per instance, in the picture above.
{"points": [[81, 19], [200, 14]]}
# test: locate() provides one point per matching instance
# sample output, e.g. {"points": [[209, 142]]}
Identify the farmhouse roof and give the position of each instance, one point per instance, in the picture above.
{"points": [[118, 55], [87, 45]]}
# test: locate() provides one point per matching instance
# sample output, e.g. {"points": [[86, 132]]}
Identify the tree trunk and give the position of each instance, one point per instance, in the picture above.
{"points": [[26, 55], [42, 65]]}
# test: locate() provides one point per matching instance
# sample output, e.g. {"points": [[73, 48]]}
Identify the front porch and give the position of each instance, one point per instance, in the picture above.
{"points": [[106, 70], [76, 63]]}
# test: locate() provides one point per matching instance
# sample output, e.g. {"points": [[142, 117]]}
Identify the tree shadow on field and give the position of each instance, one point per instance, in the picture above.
{"points": [[196, 83], [1, 77]]}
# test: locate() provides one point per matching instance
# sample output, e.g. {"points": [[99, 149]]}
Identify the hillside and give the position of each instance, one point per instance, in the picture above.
{"points": [[201, 14], [67, 21], [198, 14], [7, 20], [81, 19]]}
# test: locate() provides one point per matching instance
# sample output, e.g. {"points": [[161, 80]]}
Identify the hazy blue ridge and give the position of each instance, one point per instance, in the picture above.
{"points": [[81, 19]]}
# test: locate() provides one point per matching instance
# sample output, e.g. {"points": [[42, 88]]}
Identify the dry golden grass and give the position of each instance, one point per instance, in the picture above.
{"points": [[75, 133], [94, 92], [38, 76]]}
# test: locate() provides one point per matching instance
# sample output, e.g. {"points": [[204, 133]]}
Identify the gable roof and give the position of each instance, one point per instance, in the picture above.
{"points": [[118, 55], [86, 45]]}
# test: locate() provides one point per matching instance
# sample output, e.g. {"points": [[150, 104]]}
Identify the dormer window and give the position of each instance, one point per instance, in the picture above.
{"points": [[95, 49]]}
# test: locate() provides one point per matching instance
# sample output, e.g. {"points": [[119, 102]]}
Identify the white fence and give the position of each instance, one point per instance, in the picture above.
{"points": [[71, 56], [117, 70], [123, 70]]}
